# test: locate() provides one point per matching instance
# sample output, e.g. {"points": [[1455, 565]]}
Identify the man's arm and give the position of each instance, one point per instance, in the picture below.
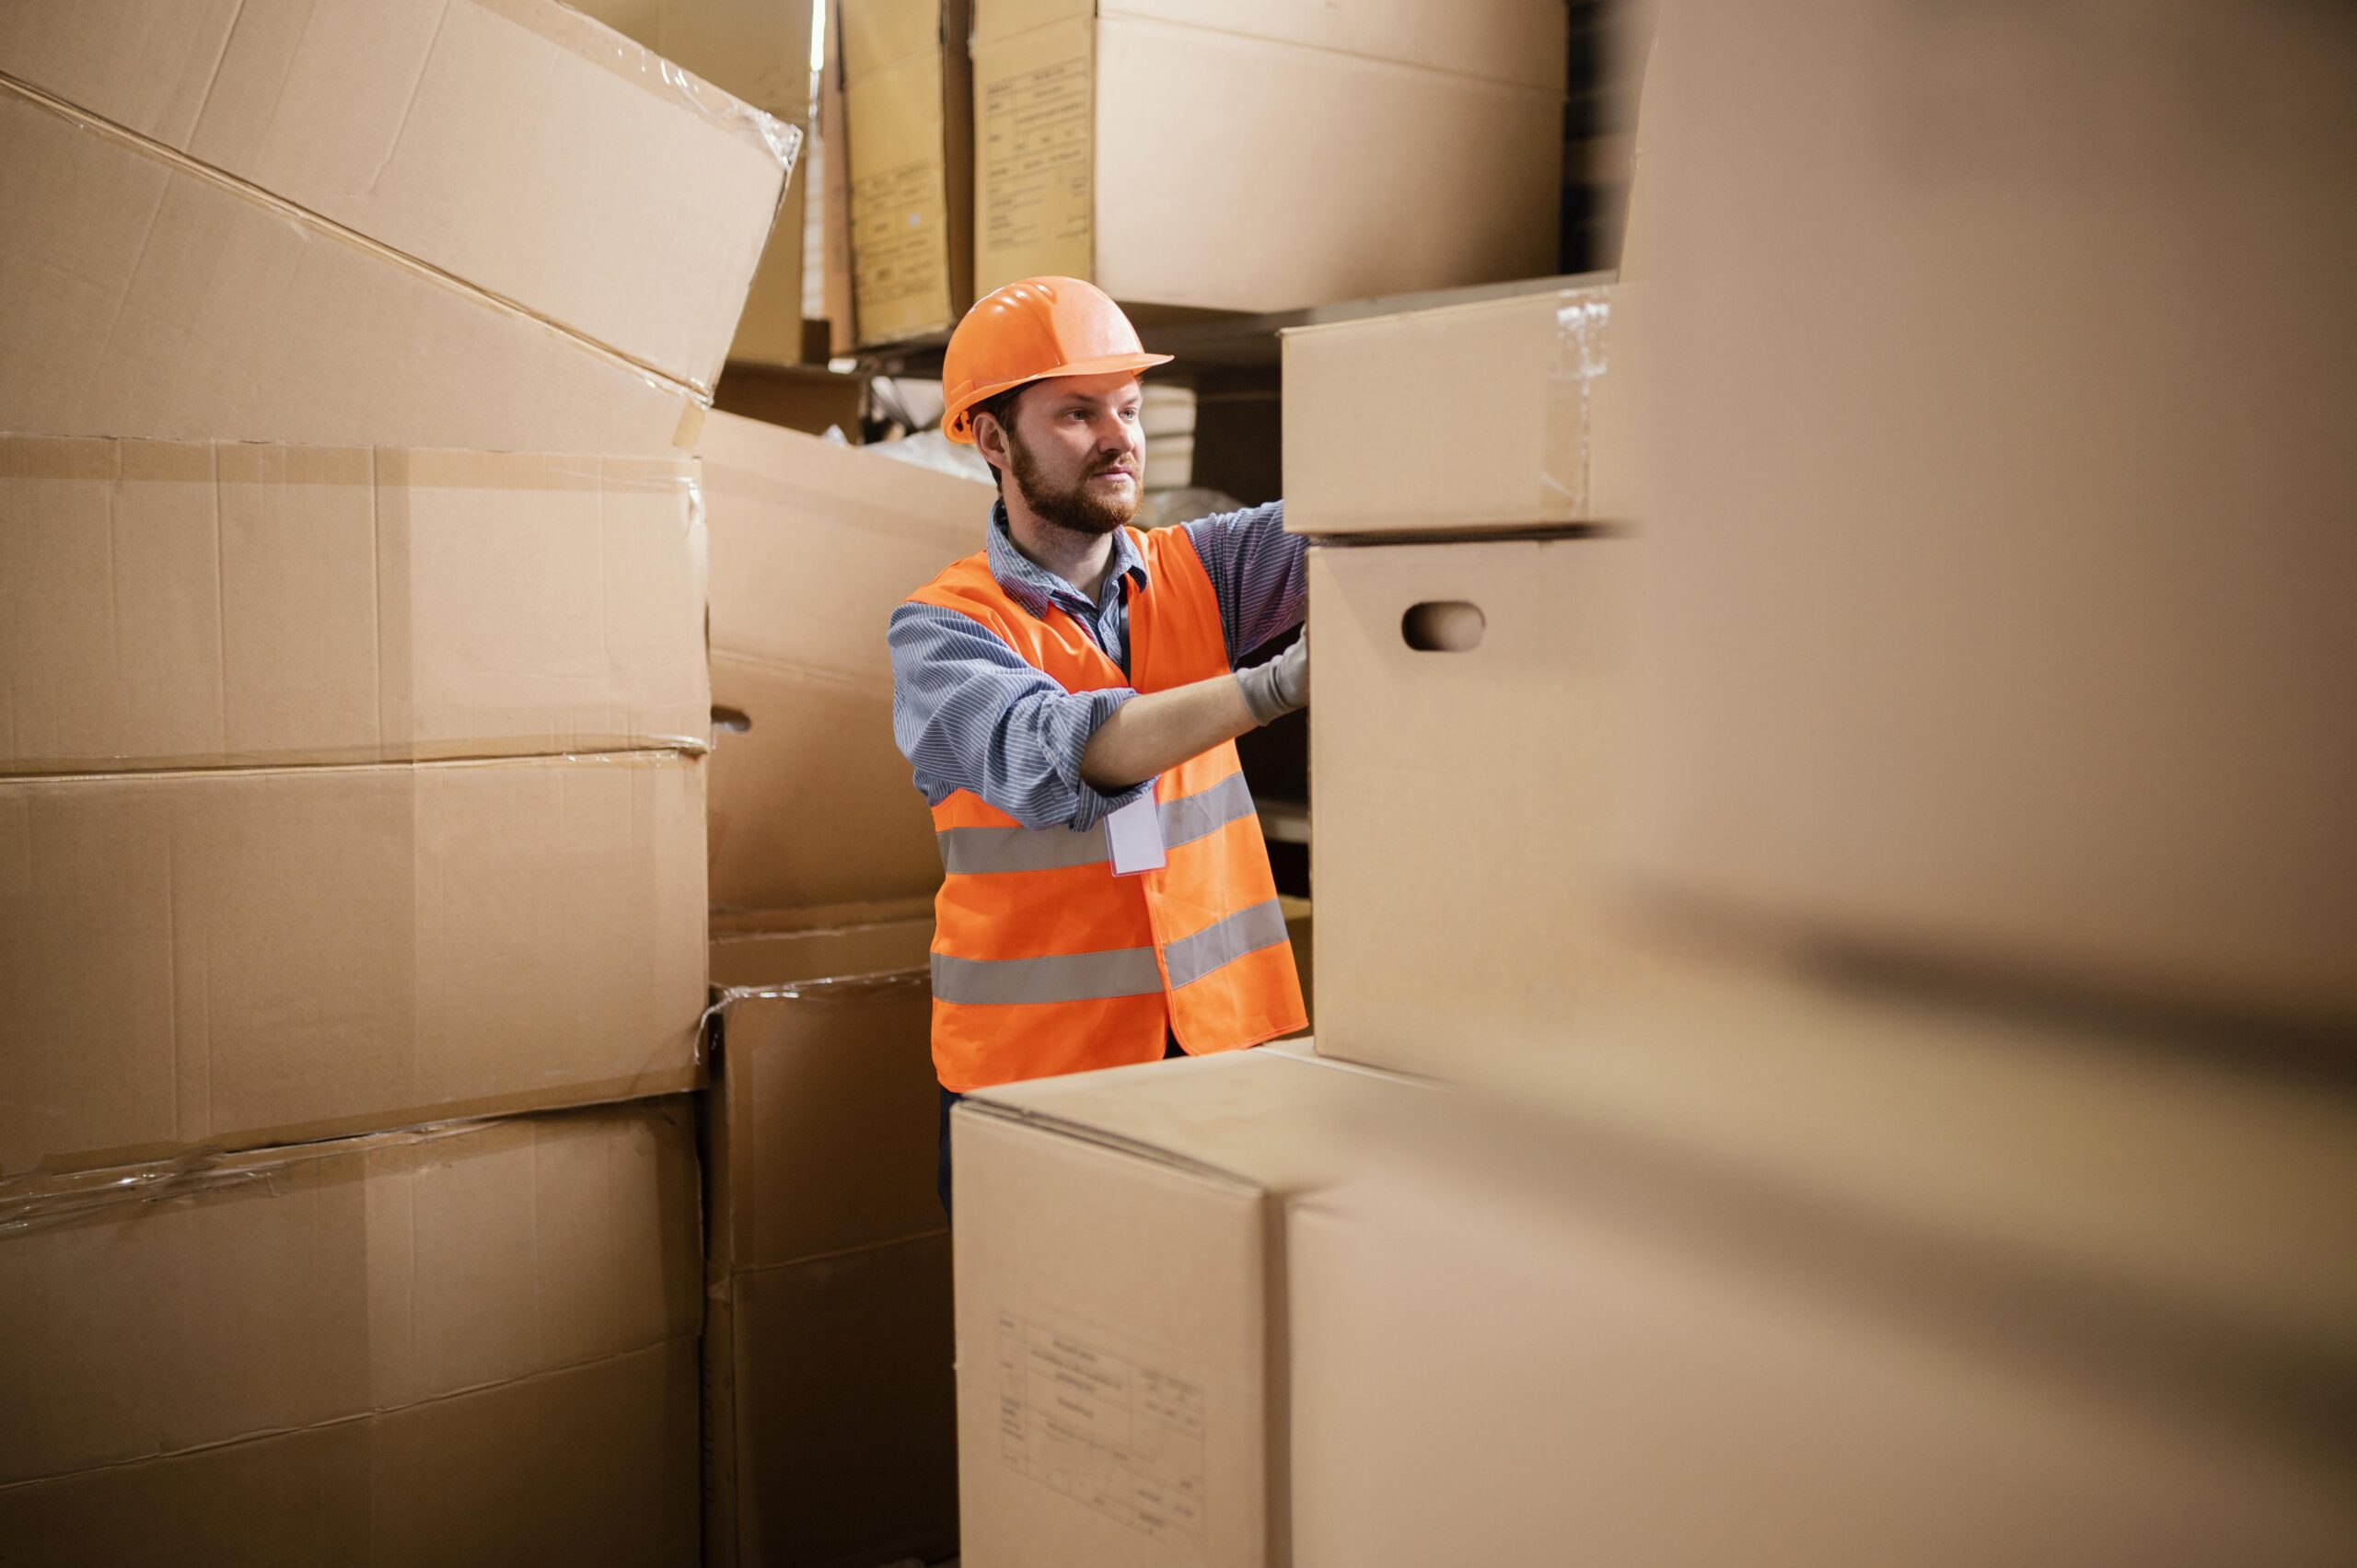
{"points": [[970, 714], [1259, 573], [1151, 734]]}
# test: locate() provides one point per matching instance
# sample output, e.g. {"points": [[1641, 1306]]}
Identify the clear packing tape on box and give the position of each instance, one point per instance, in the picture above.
{"points": [[1583, 325], [890, 984]]}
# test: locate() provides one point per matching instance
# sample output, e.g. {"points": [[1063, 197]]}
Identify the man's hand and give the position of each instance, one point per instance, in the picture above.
{"points": [[1282, 685]]}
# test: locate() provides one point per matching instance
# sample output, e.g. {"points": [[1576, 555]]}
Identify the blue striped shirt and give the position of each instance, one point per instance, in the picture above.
{"points": [[970, 714]]}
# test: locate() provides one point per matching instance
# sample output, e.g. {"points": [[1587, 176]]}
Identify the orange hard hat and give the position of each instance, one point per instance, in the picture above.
{"points": [[1028, 332]]}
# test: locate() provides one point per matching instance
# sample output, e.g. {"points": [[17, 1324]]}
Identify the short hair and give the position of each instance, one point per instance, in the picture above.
{"points": [[1001, 407]]}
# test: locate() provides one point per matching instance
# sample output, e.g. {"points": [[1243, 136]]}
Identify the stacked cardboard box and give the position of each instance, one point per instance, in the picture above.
{"points": [[830, 1395], [759, 52], [1243, 156], [1467, 599], [909, 124], [355, 764]]}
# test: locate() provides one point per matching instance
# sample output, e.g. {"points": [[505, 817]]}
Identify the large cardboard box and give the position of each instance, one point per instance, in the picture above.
{"points": [[145, 295], [814, 544], [1477, 416], [472, 1345], [1816, 1283], [758, 51], [1095, 156], [1994, 628], [1468, 703], [206, 605], [907, 106], [1121, 1323], [233, 958], [827, 1276], [514, 145]]}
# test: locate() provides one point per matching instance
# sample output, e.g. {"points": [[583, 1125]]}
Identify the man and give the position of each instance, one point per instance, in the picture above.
{"points": [[1069, 701]]}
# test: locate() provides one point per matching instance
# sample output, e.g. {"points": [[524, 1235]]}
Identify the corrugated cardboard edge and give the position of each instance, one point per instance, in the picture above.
{"points": [[697, 394]]}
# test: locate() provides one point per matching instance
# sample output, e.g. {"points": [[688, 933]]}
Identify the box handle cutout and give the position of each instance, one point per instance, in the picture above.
{"points": [[732, 721], [1444, 626]]}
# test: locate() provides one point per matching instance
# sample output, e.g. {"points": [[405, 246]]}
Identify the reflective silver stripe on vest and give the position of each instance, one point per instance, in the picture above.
{"points": [[1223, 941], [967, 852], [1072, 977]]}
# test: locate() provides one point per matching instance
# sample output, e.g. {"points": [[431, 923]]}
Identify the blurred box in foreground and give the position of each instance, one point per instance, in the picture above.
{"points": [[2001, 568], [471, 1344]]}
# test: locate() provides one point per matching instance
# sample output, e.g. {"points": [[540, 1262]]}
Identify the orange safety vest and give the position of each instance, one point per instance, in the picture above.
{"points": [[1045, 962]]}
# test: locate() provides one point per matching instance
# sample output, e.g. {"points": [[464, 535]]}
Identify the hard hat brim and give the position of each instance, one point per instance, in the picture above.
{"points": [[959, 425]]}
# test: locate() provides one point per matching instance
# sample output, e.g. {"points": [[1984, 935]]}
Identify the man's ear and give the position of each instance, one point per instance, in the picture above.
{"points": [[989, 440]]}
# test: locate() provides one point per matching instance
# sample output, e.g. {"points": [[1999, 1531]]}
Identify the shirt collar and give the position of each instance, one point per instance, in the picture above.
{"points": [[1035, 588]]}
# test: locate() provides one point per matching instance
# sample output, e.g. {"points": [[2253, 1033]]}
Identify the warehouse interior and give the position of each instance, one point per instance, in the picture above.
{"points": [[1778, 991]]}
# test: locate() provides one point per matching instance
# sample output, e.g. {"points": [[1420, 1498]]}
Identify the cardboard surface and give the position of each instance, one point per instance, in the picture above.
{"points": [[592, 1465], [758, 50], [1991, 630], [908, 102], [1456, 792], [142, 296], [277, 955], [1510, 394], [814, 545], [476, 1346], [1643, 1358], [512, 144], [205, 605], [1076, 172], [800, 397], [828, 1265], [1120, 1318]]}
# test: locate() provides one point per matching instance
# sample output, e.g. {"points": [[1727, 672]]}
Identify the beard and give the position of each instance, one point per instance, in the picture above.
{"points": [[1074, 506]]}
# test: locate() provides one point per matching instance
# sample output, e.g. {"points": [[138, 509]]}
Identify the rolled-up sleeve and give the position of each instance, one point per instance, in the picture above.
{"points": [[1259, 572], [970, 714]]}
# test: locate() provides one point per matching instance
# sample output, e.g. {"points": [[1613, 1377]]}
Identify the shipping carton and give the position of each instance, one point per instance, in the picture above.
{"points": [[827, 1274], [187, 605], [907, 106], [1466, 702], [814, 545], [1290, 192], [758, 50], [512, 144], [1478, 416], [143, 296], [1834, 1280], [233, 958], [1121, 1325], [470, 1344], [1994, 628]]}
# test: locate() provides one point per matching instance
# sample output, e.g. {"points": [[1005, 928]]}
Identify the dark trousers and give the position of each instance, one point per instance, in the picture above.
{"points": [[949, 1100]]}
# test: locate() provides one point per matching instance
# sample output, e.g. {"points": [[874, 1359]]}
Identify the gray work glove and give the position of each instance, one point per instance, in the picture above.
{"points": [[1277, 688]]}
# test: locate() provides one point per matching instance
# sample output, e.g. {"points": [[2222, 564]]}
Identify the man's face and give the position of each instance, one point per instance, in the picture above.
{"points": [[1076, 451]]}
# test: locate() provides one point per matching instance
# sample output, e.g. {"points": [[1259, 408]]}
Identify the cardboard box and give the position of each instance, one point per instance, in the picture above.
{"points": [[1078, 170], [814, 545], [207, 605], [472, 1345], [804, 398], [907, 106], [827, 1279], [1841, 1289], [1991, 630], [1472, 416], [142, 296], [512, 144], [1121, 1326], [233, 958], [758, 50], [1467, 703]]}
